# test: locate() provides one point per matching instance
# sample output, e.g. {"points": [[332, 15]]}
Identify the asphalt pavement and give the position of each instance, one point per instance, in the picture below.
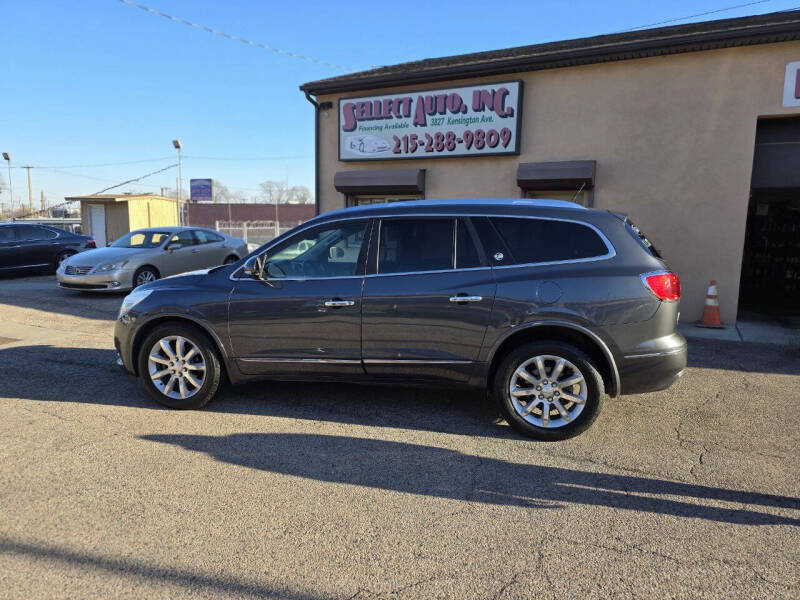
{"points": [[311, 491]]}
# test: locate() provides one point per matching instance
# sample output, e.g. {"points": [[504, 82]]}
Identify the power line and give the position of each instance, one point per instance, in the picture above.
{"points": [[136, 179], [702, 14], [235, 38]]}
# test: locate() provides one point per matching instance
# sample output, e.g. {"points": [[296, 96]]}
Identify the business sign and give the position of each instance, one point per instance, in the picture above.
{"points": [[791, 85], [476, 120], [201, 190]]}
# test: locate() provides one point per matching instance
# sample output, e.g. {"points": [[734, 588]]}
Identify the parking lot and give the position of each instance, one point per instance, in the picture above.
{"points": [[338, 491]]}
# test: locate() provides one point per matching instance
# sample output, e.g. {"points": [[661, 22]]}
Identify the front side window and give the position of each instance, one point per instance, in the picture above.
{"points": [[414, 245], [7, 234], [184, 238], [327, 251], [141, 239], [547, 240]]}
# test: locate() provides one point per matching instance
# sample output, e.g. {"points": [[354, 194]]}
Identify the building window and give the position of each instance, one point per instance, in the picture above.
{"points": [[363, 200], [583, 198]]}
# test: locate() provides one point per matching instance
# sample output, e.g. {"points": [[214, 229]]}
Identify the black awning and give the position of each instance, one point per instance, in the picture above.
{"points": [[563, 175], [385, 181]]}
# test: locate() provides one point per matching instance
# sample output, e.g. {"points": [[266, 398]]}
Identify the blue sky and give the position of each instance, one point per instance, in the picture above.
{"points": [[95, 81]]}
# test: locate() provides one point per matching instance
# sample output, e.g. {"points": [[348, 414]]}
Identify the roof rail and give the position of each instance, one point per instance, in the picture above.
{"points": [[547, 203]]}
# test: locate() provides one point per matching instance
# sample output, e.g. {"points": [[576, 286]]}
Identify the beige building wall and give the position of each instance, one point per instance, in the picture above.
{"points": [[673, 138], [116, 220], [151, 212]]}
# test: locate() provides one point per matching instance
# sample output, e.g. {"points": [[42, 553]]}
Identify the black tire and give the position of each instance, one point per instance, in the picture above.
{"points": [[62, 256], [206, 349], [563, 429], [231, 259], [142, 270]]}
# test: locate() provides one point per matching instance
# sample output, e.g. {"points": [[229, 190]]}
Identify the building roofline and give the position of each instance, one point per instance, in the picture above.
{"points": [[114, 197], [693, 37]]}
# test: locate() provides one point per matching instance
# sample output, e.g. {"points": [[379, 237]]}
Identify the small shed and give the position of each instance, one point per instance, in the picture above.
{"points": [[107, 217]]}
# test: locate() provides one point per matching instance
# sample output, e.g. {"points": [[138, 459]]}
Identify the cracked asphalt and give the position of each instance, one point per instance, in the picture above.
{"points": [[307, 491]]}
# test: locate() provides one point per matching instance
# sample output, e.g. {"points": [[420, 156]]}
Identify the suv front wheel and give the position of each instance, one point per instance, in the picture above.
{"points": [[548, 390], [179, 366]]}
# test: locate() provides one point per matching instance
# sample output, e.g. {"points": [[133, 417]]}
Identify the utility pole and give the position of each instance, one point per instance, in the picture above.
{"points": [[7, 156], [44, 205], [179, 147], [30, 191]]}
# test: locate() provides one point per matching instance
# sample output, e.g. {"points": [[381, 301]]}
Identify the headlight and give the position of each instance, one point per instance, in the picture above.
{"points": [[112, 266], [132, 300]]}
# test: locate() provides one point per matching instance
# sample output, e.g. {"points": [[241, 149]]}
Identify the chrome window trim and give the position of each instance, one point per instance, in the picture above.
{"points": [[413, 361], [338, 361], [609, 246], [350, 361]]}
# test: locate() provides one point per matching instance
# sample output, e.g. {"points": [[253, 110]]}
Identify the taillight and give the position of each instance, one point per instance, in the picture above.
{"points": [[666, 286], [91, 244]]}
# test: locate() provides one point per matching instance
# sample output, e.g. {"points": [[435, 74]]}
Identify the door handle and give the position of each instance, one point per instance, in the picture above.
{"points": [[338, 303], [466, 298], [195, 251]]}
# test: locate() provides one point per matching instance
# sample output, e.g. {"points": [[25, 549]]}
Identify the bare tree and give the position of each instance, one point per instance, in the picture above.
{"points": [[225, 196], [279, 192]]}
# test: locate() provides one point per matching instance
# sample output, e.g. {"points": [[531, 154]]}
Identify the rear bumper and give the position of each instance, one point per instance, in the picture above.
{"points": [[653, 371]]}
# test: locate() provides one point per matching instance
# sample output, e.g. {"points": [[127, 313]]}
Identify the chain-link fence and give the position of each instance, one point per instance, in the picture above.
{"points": [[255, 233]]}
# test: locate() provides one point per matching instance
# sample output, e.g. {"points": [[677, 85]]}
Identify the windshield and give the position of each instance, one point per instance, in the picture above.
{"points": [[141, 239]]}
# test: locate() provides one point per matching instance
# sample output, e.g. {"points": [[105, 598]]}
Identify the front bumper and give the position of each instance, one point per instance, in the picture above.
{"points": [[110, 281], [653, 371]]}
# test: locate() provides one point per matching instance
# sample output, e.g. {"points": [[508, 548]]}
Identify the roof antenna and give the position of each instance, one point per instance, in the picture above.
{"points": [[580, 189]]}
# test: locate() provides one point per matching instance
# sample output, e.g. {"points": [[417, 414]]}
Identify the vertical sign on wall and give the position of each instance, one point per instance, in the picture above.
{"points": [[791, 85]]}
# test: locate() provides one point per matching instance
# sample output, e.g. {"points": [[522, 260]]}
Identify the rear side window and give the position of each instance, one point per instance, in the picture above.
{"points": [[414, 245], [545, 240], [466, 251], [207, 237], [33, 233]]}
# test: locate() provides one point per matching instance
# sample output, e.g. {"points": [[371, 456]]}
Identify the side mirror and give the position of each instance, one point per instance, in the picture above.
{"points": [[174, 246], [254, 268], [336, 252]]}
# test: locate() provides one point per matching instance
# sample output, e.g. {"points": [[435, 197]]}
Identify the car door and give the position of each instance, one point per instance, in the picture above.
{"points": [[212, 247], [9, 248], [183, 254], [304, 316], [427, 299], [38, 246]]}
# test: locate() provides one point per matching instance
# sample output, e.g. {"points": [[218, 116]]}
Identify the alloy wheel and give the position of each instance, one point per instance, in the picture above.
{"points": [[145, 277], [176, 367], [548, 391]]}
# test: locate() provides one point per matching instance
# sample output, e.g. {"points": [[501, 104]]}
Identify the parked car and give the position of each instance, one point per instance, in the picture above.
{"points": [[146, 255], [548, 305], [34, 246]]}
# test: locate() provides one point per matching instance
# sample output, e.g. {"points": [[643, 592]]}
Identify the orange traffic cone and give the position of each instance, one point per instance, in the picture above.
{"points": [[711, 316]]}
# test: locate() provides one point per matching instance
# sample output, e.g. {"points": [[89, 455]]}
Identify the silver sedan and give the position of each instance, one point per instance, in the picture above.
{"points": [[145, 255]]}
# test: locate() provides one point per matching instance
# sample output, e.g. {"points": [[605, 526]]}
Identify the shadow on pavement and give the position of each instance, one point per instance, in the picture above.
{"points": [[128, 567], [43, 293], [91, 376], [443, 473]]}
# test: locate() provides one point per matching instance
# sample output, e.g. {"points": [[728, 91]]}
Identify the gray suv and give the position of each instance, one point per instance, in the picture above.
{"points": [[546, 304]]}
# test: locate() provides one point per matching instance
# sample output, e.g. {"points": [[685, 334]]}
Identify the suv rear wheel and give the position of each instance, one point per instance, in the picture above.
{"points": [[179, 366], [548, 390]]}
